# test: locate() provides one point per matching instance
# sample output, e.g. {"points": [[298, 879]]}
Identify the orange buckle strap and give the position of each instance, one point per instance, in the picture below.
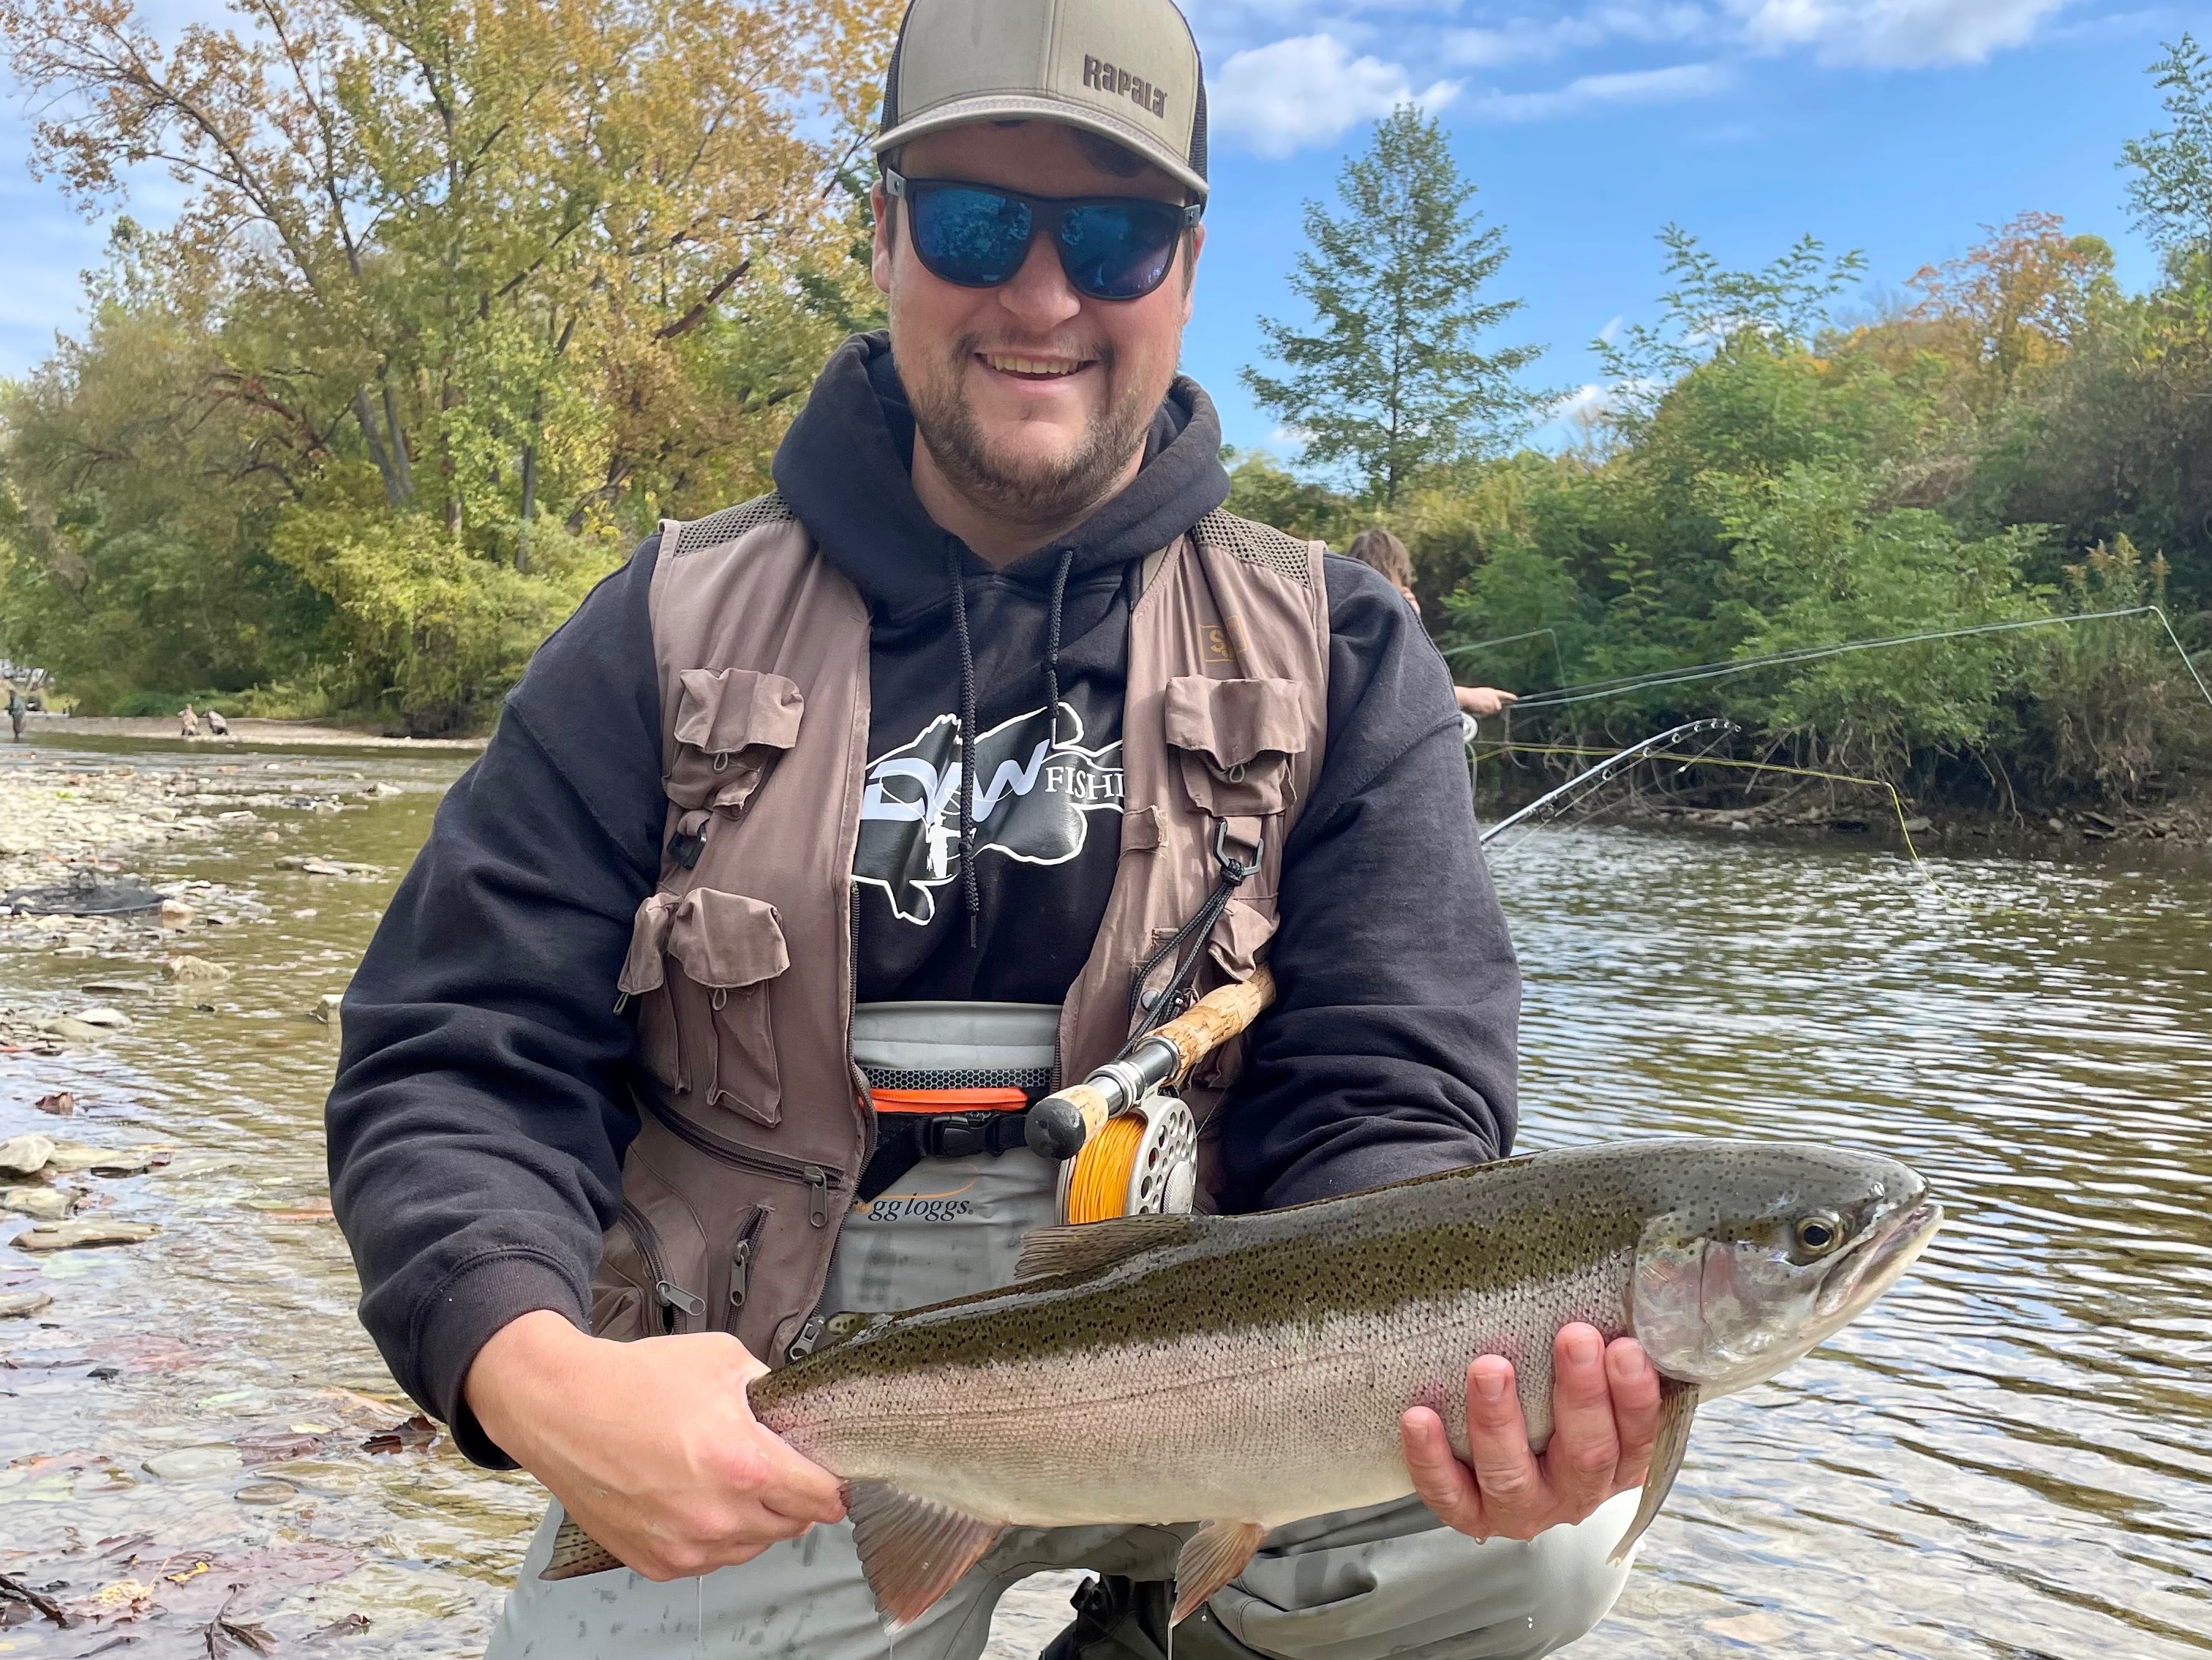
{"points": [[936, 1101]]}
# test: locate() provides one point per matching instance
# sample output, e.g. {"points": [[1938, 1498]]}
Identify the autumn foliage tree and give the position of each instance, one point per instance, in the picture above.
{"points": [[460, 298]]}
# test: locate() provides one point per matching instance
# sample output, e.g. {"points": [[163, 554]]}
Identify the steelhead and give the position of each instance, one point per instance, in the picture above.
{"points": [[1247, 1371]]}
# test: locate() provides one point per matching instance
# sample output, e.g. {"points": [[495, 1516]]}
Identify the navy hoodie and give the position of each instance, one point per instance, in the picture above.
{"points": [[477, 1124]]}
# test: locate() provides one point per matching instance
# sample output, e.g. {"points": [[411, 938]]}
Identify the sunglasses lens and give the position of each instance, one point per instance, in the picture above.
{"points": [[1118, 249], [973, 237]]}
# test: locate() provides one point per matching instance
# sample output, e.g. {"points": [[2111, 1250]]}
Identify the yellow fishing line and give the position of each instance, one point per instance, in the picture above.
{"points": [[1098, 1187], [1896, 801]]}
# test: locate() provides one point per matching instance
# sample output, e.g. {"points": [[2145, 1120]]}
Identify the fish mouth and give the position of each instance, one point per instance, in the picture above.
{"points": [[1882, 1257]]}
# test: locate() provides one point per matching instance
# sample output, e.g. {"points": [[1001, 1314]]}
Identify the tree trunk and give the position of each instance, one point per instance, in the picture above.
{"points": [[395, 488], [400, 469], [529, 508]]}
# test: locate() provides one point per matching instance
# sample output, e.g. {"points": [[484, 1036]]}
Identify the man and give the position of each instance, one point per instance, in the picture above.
{"points": [[603, 1063], [1378, 550], [18, 711]]}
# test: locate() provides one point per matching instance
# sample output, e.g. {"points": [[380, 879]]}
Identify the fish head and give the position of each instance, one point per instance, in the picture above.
{"points": [[1766, 1250]]}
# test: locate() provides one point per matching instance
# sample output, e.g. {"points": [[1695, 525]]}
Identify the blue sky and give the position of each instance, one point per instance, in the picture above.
{"points": [[1896, 126]]}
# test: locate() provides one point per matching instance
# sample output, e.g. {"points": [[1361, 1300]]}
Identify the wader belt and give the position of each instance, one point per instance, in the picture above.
{"points": [[950, 1079]]}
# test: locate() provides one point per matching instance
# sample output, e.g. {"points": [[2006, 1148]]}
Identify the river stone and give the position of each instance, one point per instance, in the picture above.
{"points": [[323, 1475], [265, 1493], [196, 971], [174, 914], [69, 1157], [46, 1204], [26, 1155], [19, 1304], [83, 1233], [190, 1464], [65, 1027], [327, 1007]]}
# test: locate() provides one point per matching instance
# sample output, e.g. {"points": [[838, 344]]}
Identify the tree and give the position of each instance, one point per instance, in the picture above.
{"points": [[1390, 382], [2172, 190]]}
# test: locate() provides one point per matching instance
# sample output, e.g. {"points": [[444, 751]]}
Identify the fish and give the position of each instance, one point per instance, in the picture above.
{"points": [[1245, 1371]]}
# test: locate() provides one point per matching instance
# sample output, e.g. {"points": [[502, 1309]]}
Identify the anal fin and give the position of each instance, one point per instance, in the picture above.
{"points": [[1211, 1558], [1678, 1405], [576, 1553], [912, 1549]]}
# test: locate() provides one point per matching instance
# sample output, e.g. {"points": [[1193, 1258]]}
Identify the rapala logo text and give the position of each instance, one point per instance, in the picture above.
{"points": [[1106, 77]]}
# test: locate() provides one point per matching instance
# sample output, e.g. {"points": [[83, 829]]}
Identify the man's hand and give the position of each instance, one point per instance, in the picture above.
{"points": [[651, 1447], [1605, 1417], [1482, 701]]}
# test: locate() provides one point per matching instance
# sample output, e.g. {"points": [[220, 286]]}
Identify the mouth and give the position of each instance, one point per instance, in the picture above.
{"points": [[1885, 1253], [1035, 370]]}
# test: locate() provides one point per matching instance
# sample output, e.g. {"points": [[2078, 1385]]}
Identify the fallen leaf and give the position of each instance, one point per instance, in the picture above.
{"points": [[61, 1103], [416, 1432], [276, 1448], [13, 1589], [352, 1626]]}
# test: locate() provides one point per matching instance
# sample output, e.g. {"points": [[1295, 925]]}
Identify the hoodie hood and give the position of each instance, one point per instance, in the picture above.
{"points": [[845, 467]]}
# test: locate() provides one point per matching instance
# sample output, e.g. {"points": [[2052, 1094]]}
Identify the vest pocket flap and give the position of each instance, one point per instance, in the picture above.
{"points": [[726, 940], [736, 708], [1234, 722], [648, 944]]}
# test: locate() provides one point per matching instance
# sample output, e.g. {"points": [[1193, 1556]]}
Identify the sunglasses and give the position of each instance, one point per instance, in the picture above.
{"points": [[978, 236]]}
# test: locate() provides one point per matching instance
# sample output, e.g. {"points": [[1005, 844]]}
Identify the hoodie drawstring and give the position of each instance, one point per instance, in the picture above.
{"points": [[974, 896], [1051, 647]]}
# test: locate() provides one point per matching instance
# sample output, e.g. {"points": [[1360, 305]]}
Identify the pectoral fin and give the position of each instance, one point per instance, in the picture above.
{"points": [[1678, 1404], [576, 1553], [912, 1549], [1211, 1558]]}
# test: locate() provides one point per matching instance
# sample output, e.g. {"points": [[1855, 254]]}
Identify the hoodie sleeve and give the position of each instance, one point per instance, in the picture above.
{"points": [[1391, 1048], [476, 1125]]}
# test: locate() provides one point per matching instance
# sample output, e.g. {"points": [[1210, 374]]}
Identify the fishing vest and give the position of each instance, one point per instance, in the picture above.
{"points": [[754, 1122]]}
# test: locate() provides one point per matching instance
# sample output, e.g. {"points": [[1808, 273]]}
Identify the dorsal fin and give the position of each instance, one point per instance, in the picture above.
{"points": [[1087, 1247]]}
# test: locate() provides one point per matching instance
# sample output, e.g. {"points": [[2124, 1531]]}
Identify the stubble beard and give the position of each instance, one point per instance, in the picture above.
{"points": [[1046, 493]]}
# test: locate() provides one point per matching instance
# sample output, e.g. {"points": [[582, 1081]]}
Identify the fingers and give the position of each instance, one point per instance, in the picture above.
{"points": [[1634, 1383], [1443, 1483], [1513, 1499], [1585, 1446], [794, 1485]]}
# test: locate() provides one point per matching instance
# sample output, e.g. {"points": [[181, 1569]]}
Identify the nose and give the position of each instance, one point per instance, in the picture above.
{"points": [[1040, 297]]}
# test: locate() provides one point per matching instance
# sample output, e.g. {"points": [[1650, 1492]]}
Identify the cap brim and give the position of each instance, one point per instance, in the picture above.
{"points": [[1040, 106]]}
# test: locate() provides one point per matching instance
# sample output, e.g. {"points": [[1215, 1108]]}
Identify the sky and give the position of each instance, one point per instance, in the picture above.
{"points": [[1898, 127]]}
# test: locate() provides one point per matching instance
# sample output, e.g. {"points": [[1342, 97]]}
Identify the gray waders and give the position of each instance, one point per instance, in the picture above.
{"points": [[1356, 1585]]}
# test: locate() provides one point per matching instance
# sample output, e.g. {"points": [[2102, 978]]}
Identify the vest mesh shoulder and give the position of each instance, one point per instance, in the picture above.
{"points": [[730, 523], [1255, 544]]}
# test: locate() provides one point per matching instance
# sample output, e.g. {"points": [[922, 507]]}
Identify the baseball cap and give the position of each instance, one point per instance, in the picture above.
{"points": [[1126, 70]]}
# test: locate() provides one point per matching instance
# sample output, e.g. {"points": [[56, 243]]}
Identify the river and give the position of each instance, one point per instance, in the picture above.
{"points": [[2011, 1455]]}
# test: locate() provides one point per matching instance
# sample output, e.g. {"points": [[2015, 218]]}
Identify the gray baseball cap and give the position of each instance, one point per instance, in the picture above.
{"points": [[1126, 70]]}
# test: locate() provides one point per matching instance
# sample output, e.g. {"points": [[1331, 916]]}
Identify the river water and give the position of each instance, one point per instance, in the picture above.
{"points": [[2011, 1455]]}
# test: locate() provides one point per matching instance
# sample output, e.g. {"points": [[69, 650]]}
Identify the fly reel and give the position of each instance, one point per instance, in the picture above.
{"points": [[1143, 1162]]}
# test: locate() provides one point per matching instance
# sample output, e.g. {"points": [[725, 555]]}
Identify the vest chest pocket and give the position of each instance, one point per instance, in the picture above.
{"points": [[714, 1030], [1233, 741], [731, 727]]}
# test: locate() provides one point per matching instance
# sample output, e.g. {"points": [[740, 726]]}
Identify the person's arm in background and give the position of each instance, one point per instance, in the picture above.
{"points": [[477, 1124]]}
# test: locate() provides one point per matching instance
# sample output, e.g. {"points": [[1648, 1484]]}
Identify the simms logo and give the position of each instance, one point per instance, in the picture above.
{"points": [[1105, 78]]}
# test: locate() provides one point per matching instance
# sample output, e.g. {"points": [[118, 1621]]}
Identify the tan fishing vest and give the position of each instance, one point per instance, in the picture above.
{"points": [[754, 1122]]}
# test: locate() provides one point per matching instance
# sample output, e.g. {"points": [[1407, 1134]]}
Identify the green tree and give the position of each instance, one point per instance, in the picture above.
{"points": [[2172, 190], [1391, 381]]}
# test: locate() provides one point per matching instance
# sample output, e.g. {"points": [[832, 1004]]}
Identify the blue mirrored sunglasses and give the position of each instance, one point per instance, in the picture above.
{"points": [[977, 237]]}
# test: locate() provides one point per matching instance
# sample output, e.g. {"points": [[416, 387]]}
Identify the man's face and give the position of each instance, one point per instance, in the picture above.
{"points": [[1032, 399]]}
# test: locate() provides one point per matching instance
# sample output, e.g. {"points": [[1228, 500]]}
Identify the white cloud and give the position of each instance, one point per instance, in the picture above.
{"points": [[1527, 39], [1892, 33], [1308, 90], [1677, 84]]}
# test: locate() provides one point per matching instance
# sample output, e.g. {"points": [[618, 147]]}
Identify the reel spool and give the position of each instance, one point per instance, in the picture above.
{"points": [[1143, 1162]]}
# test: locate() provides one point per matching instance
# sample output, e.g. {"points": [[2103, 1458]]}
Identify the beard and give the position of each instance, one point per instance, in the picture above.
{"points": [[1025, 489]]}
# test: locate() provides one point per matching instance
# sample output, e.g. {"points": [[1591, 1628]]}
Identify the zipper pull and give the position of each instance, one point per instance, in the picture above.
{"points": [[741, 1262], [675, 1297], [817, 1195], [809, 1335]]}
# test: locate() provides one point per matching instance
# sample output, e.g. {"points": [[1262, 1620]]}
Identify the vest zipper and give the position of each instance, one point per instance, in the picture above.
{"points": [[809, 1335], [672, 1297], [741, 1257], [819, 1180]]}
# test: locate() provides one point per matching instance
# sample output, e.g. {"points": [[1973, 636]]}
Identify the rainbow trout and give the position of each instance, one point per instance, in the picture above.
{"points": [[1246, 1371]]}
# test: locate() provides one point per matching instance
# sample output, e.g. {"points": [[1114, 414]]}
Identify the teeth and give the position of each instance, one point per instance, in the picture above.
{"points": [[1032, 365]]}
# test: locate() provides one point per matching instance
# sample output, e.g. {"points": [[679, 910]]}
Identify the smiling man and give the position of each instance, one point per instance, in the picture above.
{"points": [[699, 1023]]}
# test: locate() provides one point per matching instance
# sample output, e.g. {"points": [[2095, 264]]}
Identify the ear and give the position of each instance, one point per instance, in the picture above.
{"points": [[1190, 277], [879, 261]]}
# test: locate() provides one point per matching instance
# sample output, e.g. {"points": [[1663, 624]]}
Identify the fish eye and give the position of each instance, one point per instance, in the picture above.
{"points": [[1819, 1234]]}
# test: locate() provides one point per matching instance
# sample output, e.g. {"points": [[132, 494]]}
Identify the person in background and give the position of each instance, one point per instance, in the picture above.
{"points": [[216, 724], [188, 724], [1380, 551], [17, 708]]}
